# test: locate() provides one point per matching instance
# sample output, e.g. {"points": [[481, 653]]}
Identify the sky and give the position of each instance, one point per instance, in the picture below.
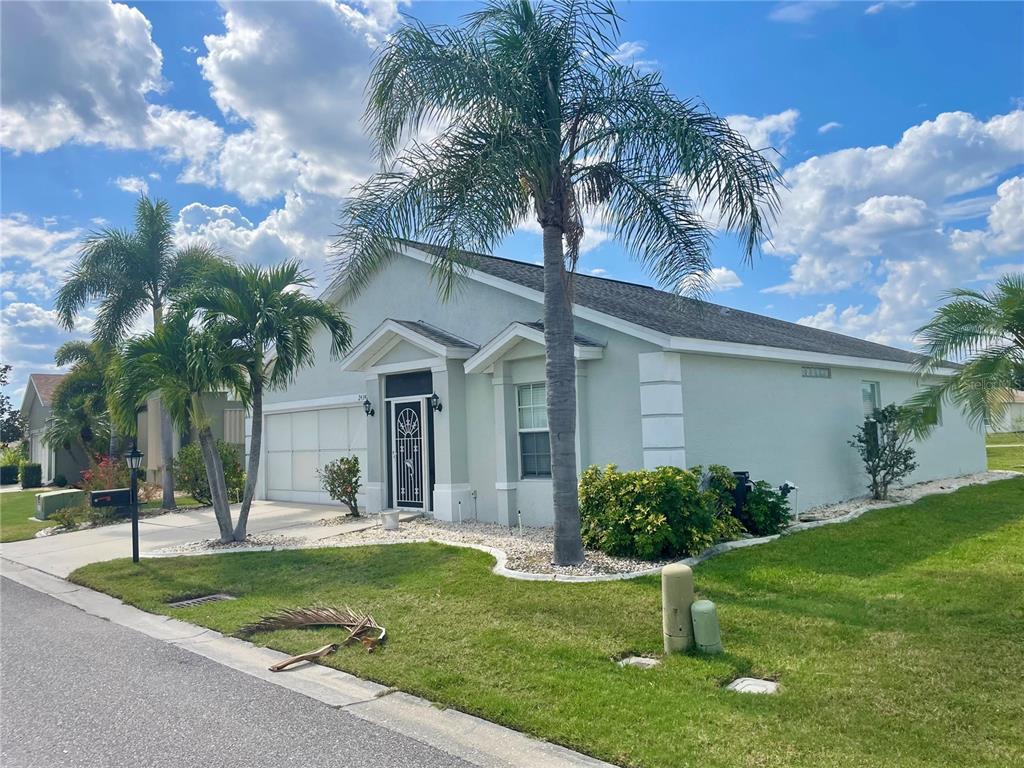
{"points": [[899, 128]]}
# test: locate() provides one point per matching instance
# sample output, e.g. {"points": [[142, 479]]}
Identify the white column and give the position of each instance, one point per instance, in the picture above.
{"points": [[506, 449], [582, 417], [661, 409], [451, 473], [375, 474]]}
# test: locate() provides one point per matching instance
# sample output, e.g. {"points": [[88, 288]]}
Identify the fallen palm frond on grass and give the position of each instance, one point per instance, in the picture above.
{"points": [[362, 627]]}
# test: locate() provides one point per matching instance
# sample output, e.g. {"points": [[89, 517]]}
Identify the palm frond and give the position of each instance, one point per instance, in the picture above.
{"points": [[359, 624]]}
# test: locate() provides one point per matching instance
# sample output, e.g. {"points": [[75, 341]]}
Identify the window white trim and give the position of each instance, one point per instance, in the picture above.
{"points": [[521, 430]]}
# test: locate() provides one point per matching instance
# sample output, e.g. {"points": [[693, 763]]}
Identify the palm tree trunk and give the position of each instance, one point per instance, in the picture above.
{"points": [[215, 477], [560, 370], [255, 448], [166, 435]]}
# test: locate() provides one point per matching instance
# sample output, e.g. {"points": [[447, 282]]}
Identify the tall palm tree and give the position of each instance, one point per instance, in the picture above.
{"points": [[538, 120], [79, 413], [130, 273], [267, 318], [181, 363], [985, 331]]}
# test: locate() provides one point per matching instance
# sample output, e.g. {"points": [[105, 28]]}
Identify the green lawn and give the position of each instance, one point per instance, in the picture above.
{"points": [[1011, 453], [897, 639], [16, 508]]}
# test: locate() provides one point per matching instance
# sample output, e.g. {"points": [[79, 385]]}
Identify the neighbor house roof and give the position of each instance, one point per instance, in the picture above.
{"points": [[689, 318], [46, 384]]}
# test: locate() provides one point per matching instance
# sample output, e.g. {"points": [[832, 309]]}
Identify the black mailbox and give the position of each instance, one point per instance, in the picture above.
{"points": [[112, 497]]}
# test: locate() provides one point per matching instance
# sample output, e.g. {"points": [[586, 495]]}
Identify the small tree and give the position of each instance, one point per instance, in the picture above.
{"points": [[340, 478], [883, 442], [11, 425]]}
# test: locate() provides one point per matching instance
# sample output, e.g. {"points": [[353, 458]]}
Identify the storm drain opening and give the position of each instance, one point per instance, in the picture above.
{"points": [[203, 600]]}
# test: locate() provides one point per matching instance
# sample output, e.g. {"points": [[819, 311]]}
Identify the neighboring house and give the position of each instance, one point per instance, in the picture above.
{"points": [[35, 409], [1013, 418], [227, 422], [661, 381]]}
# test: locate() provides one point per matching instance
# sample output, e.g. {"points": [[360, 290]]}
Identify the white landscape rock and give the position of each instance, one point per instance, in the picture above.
{"points": [[753, 685]]}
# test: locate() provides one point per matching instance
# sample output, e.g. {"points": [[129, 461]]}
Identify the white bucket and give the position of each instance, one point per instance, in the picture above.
{"points": [[390, 520]]}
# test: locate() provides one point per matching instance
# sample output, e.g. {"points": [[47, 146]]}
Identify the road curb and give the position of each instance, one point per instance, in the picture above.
{"points": [[470, 738]]}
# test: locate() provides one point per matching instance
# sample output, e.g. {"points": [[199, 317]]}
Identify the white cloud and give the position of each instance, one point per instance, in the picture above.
{"points": [[34, 258], [31, 335], [132, 184], [768, 130], [723, 279], [879, 219], [83, 72], [877, 8], [829, 126], [799, 12], [630, 52]]}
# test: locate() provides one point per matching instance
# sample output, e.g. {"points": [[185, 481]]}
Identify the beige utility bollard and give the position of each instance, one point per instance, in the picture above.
{"points": [[676, 599]]}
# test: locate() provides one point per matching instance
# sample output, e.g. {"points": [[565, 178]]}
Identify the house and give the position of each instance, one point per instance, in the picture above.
{"points": [[1013, 418], [35, 410], [443, 403], [227, 417]]}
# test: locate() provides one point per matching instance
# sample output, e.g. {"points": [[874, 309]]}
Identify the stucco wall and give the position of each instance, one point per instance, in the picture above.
{"points": [[766, 418], [1011, 421]]}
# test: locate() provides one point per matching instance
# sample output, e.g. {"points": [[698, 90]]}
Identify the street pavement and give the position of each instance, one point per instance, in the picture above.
{"points": [[76, 690]]}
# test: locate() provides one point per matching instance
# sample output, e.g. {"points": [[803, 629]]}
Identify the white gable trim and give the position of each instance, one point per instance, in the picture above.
{"points": [[387, 335], [484, 360]]}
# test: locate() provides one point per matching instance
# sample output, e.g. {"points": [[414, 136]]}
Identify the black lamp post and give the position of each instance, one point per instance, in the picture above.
{"points": [[134, 459]]}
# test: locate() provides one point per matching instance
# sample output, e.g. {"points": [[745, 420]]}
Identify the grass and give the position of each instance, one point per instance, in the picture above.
{"points": [[17, 508], [896, 638], [1006, 451]]}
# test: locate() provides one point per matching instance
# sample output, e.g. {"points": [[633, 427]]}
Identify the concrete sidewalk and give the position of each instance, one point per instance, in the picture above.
{"points": [[61, 554]]}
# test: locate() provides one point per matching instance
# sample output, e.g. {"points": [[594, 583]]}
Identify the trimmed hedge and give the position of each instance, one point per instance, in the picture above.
{"points": [[9, 474], [30, 475]]}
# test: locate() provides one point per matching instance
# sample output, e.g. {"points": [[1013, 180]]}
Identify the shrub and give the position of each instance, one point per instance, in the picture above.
{"points": [[767, 510], [190, 471], [8, 474], [105, 473], [883, 442], [647, 514], [69, 518], [12, 455], [720, 483], [340, 478], [30, 474], [59, 480]]}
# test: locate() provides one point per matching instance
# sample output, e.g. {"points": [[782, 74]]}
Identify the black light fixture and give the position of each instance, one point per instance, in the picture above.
{"points": [[134, 457], [435, 402], [368, 407]]}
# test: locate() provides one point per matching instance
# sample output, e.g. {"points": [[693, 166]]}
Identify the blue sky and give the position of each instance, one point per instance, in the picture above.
{"points": [[900, 126]]}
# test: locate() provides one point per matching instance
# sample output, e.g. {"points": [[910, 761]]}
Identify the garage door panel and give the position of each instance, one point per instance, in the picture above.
{"points": [[279, 432], [304, 431], [356, 428], [279, 470], [304, 467], [334, 432], [328, 456]]}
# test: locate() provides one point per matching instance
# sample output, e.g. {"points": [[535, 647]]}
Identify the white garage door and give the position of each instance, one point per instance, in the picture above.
{"points": [[301, 442]]}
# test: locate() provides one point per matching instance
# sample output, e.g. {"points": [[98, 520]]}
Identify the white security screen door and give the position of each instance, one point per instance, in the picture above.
{"points": [[408, 453]]}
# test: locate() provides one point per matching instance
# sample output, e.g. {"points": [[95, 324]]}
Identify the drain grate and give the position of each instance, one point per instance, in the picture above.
{"points": [[215, 598]]}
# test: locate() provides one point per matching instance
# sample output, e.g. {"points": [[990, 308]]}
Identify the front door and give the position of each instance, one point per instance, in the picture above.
{"points": [[409, 464]]}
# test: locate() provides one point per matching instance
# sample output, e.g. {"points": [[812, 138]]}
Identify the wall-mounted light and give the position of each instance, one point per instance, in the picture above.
{"points": [[435, 402], [368, 407]]}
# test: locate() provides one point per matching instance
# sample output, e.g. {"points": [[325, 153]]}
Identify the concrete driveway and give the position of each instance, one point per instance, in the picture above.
{"points": [[61, 554]]}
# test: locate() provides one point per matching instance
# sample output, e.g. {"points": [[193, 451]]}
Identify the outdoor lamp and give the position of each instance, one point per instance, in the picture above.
{"points": [[368, 407], [134, 458], [435, 402]]}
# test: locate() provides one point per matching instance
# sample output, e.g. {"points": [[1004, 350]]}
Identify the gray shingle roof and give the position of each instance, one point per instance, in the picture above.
{"points": [[583, 341], [687, 318], [436, 334]]}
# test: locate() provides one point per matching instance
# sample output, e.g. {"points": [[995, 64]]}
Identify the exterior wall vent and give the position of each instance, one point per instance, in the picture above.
{"points": [[815, 372]]}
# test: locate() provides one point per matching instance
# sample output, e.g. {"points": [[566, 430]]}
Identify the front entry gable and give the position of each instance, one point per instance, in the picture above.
{"points": [[401, 344], [520, 340]]}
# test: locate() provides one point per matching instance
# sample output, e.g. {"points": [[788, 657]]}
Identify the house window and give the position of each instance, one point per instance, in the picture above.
{"points": [[534, 441], [871, 396], [815, 372], [932, 415]]}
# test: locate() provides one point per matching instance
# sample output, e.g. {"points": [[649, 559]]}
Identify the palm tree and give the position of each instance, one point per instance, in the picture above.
{"points": [[267, 318], [538, 120], [182, 364], [79, 414], [985, 331], [130, 273]]}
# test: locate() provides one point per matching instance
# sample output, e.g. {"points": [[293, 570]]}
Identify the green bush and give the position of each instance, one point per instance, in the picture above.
{"points": [[12, 455], [647, 514], [59, 480], [340, 478], [30, 474], [767, 509], [8, 474], [69, 518], [190, 472]]}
